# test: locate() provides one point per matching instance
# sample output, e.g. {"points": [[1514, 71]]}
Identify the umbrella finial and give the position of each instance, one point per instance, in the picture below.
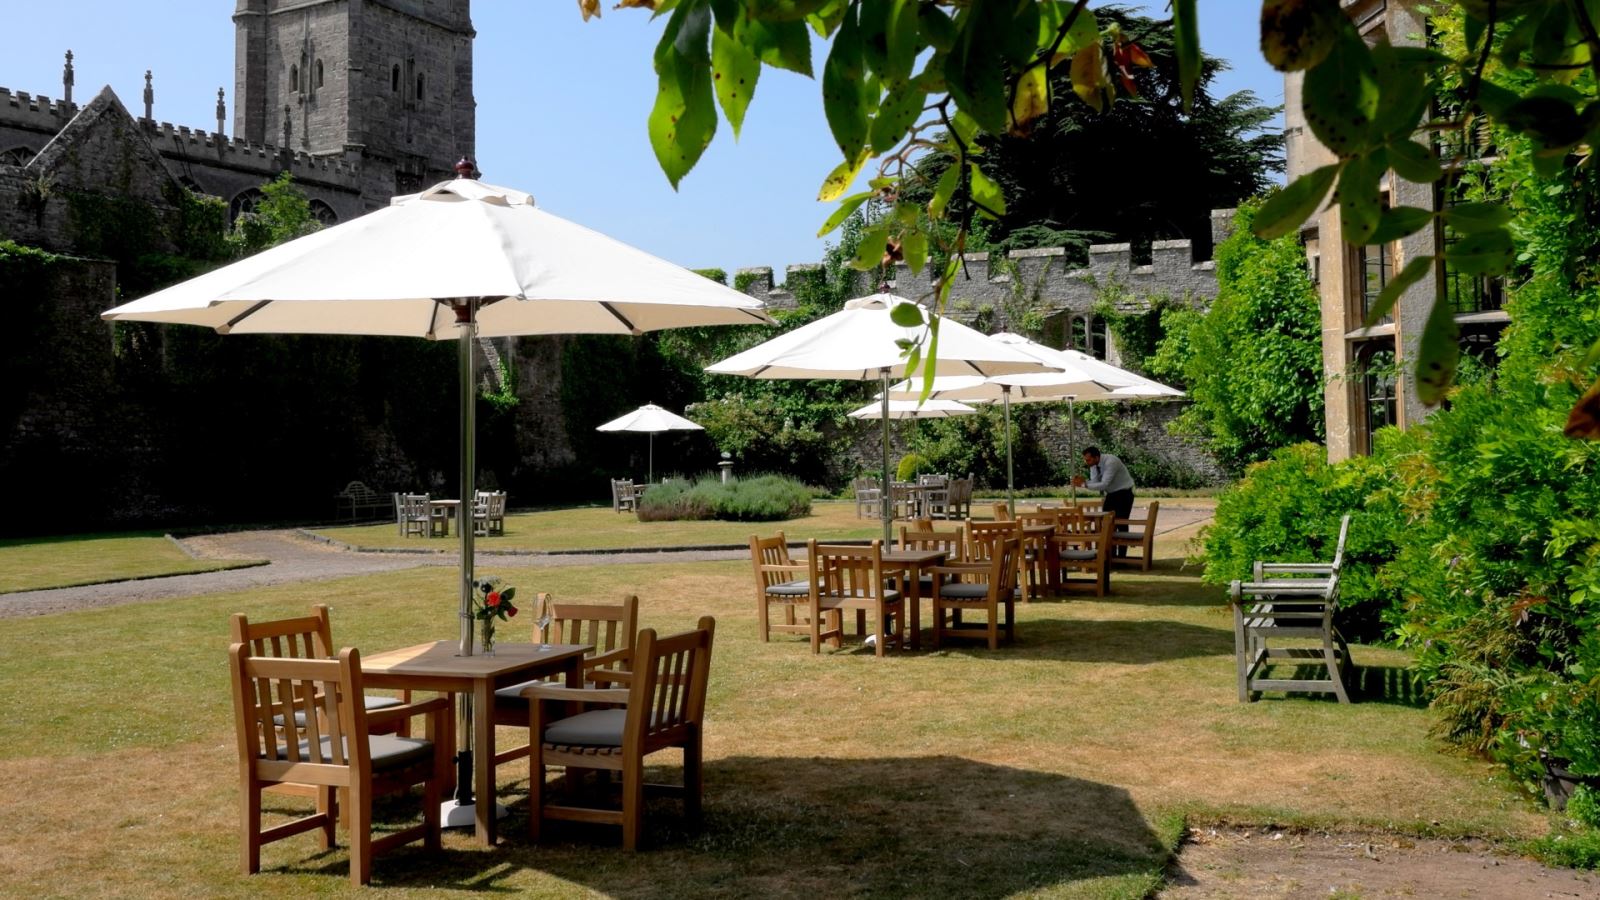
{"points": [[465, 168]]}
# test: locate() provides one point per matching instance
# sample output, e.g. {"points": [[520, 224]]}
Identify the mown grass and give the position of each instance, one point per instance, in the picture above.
{"points": [[30, 564], [1062, 766]]}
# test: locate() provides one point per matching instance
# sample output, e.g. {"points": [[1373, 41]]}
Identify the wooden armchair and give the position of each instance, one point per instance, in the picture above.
{"points": [[1083, 544], [922, 537], [414, 514], [295, 725], [779, 580], [1038, 548], [996, 590], [1140, 533], [1002, 511], [869, 497], [850, 577], [960, 499], [610, 629], [1297, 608], [662, 708], [489, 513], [624, 496]]}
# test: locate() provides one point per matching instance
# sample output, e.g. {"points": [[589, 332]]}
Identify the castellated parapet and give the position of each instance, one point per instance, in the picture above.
{"points": [[34, 110], [263, 159]]}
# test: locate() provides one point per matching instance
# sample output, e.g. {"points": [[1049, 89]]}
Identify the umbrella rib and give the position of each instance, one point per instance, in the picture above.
{"points": [[256, 307], [621, 318]]}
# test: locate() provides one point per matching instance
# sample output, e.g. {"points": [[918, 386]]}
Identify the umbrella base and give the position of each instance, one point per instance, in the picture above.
{"points": [[455, 814]]}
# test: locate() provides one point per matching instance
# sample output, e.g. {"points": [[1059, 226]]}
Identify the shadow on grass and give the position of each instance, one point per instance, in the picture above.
{"points": [[903, 827], [1394, 685], [1101, 641]]}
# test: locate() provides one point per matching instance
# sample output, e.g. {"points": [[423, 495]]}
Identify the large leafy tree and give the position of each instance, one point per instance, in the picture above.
{"points": [[904, 77]]}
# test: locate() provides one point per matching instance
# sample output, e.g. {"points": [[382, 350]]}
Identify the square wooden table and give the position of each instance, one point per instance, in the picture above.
{"points": [[911, 563], [444, 511], [434, 666]]}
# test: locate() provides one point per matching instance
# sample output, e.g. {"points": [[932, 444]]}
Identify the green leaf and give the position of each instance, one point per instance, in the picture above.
{"points": [[1298, 34], [987, 194], [782, 45], [1400, 221], [899, 112], [1550, 121], [1285, 210], [1405, 89], [974, 71], [902, 41], [1405, 278], [784, 10], [1414, 162], [843, 97], [943, 191], [1186, 41], [936, 27], [693, 30], [1472, 217], [914, 247], [1482, 253], [728, 15], [734, 71], [1021, 41], [840, 179], [869, 254], [1340, 95], [1437, 354], [684, 117], [913, 358], [1360, 201], [906, 315], [846, 206], [1083, 31], [874, 24]]}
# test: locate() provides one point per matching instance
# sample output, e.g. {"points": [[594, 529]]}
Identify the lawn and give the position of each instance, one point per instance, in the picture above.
{"points": [[30, 564], [1063, 766]]}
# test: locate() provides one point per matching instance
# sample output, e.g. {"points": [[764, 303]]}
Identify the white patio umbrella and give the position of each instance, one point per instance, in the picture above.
{"points": [[1077, 376], [460, 260], [858, 343], [911, 409], [650, 419]]}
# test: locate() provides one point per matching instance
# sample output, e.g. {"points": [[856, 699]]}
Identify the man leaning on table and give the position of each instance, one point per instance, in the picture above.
{"points": [[1110, 477]]}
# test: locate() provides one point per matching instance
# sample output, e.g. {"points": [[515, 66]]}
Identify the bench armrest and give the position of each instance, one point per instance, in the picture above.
{"points": [[407, 710]]}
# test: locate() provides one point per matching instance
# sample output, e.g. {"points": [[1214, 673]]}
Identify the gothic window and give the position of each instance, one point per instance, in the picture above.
{"points": [[1374, 269], [16, 156], [322, 212], [419, 88], [1465, 293], [394, 79], [317, 82], [1379, 401], [1080, 333], [1099, 340], [294, 78], [243, 203]]}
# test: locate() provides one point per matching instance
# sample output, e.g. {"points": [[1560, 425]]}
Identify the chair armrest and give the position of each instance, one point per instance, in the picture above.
{"points": [[607, 658], [796, 568], [1298, 568], [612, 696], [958, 568], [407, 710]]}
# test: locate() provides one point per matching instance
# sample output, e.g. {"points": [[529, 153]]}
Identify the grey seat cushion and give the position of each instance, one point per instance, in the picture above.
{"points": [[1130, 535], [388, 751], [596, 728], [966, 591], [1067, 553], [370, 701], [790, 589]]}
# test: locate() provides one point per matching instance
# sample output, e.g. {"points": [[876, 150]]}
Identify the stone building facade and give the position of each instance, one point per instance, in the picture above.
{"points": [[1368, 369]]}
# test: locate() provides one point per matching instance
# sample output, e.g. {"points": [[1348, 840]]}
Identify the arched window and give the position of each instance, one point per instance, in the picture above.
{"points": [[294, 78], [322, 212], [1099, 339], [394, 79], [243, 203], [318, 81], [419, 87], [16, 156]]}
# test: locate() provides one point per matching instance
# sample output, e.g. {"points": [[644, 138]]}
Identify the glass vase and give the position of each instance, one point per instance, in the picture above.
{"points": [[486, 636]]}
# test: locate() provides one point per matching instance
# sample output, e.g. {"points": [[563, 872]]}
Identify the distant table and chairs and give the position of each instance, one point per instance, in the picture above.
{"points": [[426, 516]]}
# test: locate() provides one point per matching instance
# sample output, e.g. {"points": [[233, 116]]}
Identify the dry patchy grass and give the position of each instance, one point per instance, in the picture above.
{"points": [[31, 564], [1061, 766]]}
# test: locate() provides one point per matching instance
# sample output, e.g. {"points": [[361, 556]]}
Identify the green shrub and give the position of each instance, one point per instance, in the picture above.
{"points": [[758, 498], [911, 465], [1583, 806]]}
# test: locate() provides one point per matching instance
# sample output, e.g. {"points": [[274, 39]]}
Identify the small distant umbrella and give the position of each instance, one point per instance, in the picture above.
{"points": [[910, 409], [650, 419]]}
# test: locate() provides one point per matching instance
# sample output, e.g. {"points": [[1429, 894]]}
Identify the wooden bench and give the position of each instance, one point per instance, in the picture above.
{"points": [[1294, 601], [357, 501]]}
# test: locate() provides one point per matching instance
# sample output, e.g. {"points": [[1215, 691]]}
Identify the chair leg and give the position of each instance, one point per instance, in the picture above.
{"points": [[250, 855], [632, 803], [1241, 651], [536, 788], [431, 799], [1335, 670], [360, 834], [761, 618], [693, 780], [878, 637], [938, 623], [328, 807]]}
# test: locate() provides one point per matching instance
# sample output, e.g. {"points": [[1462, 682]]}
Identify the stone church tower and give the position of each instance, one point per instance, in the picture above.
{"points": [[383, 84]]}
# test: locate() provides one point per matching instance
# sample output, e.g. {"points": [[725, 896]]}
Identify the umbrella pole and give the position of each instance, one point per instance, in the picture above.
{"points": [[887, 492], [1072, 429], [1011, 494], [459, 812], [650, 473]]}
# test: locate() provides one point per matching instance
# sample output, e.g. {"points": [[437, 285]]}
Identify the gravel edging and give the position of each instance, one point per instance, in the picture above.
{"points": [[582, 551]]}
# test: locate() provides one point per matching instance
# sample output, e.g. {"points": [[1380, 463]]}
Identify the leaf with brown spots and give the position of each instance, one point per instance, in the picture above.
{"points": [[1341, 95], [734, 71], [1438, 354], [1298, 34]]}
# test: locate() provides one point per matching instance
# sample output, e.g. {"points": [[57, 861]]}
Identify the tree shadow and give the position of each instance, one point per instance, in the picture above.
{"points": [[1395, 685], [911, 826], [1101, 640]]}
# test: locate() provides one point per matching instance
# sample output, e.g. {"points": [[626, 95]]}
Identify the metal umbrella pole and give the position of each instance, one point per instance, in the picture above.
{"points": [[887, 492], [650, 473], [1011, 494], [1072, 430]]}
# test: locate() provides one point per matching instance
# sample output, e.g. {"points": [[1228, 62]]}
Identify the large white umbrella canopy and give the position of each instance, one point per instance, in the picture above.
{"points": [[862, 342], [458, 261], [651, 419], [911, 409]]}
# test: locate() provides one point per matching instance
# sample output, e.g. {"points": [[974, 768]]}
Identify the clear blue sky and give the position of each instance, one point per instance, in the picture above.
{"points": [[561, 112]]}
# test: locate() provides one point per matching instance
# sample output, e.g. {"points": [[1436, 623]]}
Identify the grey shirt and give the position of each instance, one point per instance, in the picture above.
{"points": [[1109, 476]]}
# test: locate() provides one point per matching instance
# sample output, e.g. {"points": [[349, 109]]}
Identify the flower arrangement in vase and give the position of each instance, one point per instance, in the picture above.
{"points": [[491, 604]]}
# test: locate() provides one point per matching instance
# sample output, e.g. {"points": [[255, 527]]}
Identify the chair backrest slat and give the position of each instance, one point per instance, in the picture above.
{"points": [[951, 542], [670, 676]]}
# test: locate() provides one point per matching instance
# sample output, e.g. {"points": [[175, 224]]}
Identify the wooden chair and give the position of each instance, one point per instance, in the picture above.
{"points": [[903, 499], [1037, 548], [869, 497], [935, 495], [1002, 512], [959, 505], [984, 537], [922, 536], [1083, 544], [413, 512], [1299, 609], [295, 724], [779, 580], [609, 629], [489, 513], [623, 496], [996, 590], [1140, 533], [851, 578], [664, 707]]}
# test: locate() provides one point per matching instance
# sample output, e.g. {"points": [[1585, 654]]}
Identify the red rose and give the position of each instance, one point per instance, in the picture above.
{"points": [[493, 599], [511, 611]]}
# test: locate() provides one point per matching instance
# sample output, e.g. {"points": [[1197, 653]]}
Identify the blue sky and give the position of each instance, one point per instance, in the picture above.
{"points": [[561, 112]]}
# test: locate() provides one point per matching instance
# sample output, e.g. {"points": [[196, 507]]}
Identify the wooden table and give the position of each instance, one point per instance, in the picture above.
{"points": [[434, 666], [910, 564], [447, 508]]}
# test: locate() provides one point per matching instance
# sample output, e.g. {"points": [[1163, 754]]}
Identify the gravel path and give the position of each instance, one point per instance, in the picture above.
{"points": [[296, 558]]}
